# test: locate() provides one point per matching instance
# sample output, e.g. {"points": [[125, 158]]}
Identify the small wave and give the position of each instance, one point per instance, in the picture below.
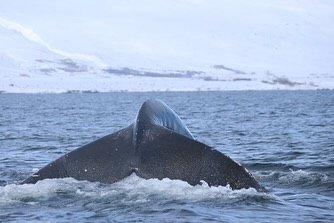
{"points": [[132, 189], [270, 166], [302, 176], [297, 177]]}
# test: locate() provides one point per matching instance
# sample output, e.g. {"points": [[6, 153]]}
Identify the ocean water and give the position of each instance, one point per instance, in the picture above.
{"points": [[285, 138]]}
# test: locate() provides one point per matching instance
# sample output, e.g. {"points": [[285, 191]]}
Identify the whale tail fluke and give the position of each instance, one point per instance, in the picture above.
{"points": [[157, 145]]}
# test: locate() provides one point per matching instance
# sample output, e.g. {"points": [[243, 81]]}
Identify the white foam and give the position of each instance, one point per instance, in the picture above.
{"points": [[180, 190], [133, 189], [42, 190]]}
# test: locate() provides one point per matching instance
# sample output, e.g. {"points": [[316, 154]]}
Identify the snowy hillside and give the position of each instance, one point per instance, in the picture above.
{"points": [[157, 45]]}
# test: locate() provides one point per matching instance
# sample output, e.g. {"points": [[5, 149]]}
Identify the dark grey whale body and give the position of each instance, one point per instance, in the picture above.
{"points": [[157, 145]]}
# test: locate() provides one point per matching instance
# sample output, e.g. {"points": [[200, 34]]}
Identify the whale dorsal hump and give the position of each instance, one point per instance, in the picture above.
{"points": [[156, 112]]}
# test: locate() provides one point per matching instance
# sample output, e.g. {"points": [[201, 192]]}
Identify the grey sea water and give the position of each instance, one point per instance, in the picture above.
{"points": [[285, 138]]}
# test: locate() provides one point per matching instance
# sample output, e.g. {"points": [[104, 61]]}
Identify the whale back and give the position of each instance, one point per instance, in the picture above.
{"points": [[156, 112]]}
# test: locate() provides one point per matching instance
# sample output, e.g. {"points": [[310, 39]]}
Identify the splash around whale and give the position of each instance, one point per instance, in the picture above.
{"points": [[156, 145]]}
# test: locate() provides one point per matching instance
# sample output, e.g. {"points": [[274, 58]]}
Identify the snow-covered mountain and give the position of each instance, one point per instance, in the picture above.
{"points": [[152, 45]]}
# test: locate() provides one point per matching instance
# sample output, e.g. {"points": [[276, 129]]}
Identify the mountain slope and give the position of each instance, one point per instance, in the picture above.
{"points": [[166, 45]]}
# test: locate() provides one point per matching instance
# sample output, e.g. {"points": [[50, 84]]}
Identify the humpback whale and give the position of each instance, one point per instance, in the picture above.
{"points": [[156, 145]]}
